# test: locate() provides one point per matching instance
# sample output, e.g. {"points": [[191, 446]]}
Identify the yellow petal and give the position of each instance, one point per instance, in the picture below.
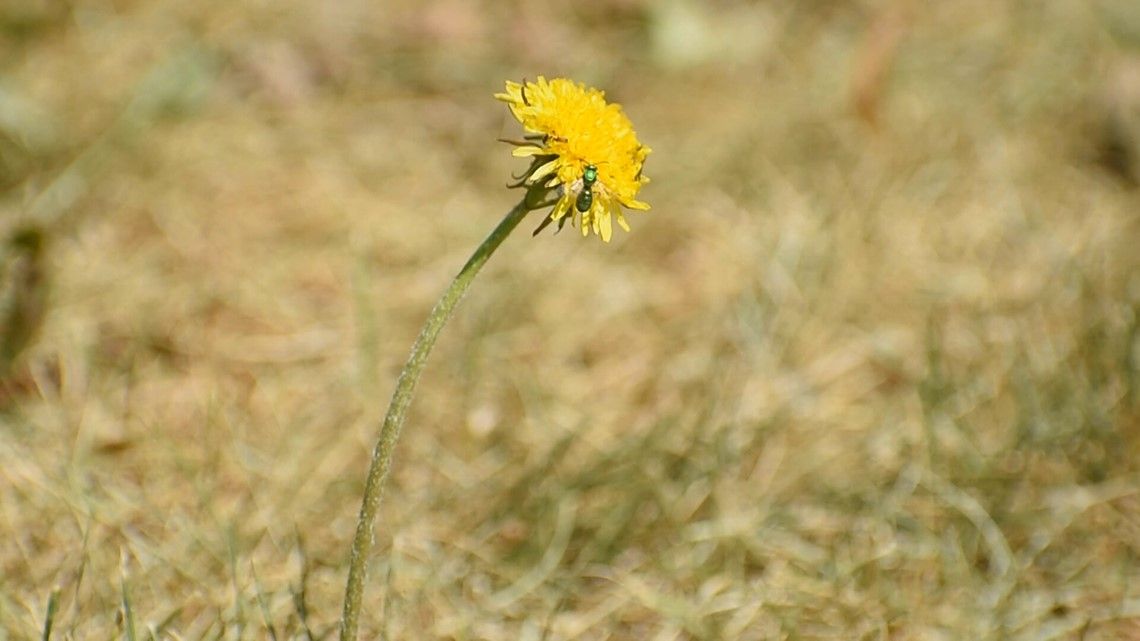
{"points": [[561, 208], [542, 172], [607, 230], [526, 152], [616, 212]]}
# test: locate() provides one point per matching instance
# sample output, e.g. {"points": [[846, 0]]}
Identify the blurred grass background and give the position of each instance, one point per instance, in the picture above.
{"points": [[868, 369]]}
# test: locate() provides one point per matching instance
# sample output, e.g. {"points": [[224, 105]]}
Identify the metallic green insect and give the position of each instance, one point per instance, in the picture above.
{"points": [[586, 196]]}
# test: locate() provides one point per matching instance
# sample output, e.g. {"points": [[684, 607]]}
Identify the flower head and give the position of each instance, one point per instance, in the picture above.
{"points": [[583, 148]]}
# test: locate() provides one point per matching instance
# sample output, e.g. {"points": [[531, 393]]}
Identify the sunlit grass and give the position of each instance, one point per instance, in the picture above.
{"points": [[853, 381]]}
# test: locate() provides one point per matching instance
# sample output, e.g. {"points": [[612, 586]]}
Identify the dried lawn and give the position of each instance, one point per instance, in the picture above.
{"points": [[869, 369]]}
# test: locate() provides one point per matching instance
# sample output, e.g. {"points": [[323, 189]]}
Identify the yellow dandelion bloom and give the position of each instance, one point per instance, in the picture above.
{"points": [[583, 148]]}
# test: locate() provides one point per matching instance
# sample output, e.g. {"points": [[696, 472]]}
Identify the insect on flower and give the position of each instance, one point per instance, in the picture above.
{"points": [[586, 196], [585, 157]]}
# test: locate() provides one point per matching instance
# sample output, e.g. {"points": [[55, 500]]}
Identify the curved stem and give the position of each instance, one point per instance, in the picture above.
{"points": [[397, 411]]}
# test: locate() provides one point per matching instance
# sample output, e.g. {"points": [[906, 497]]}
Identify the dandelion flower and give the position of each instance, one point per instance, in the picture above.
{"points": [[584, 151], [586, 162]]}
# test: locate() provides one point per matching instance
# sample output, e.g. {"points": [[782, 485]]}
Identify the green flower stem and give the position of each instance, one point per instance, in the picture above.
{"points": [[397, 411]]}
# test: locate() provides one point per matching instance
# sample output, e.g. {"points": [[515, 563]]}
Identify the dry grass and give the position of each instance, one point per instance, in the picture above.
{"points": [[870, 369]]}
